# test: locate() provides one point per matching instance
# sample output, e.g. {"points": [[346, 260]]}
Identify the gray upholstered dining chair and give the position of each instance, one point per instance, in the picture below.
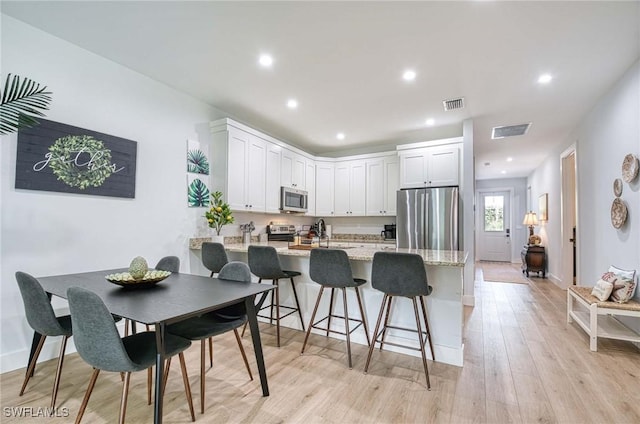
{"points": [[43, 320], [401, 275], [331, 269], [99, 344], [214, 257], [169, 263], [265, 264], [217, 322]]}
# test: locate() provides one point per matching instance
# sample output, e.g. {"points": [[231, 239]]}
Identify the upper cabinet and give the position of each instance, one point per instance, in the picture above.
{"points": [[272, 180], [310, 180], [293, 170], [350, 178], [246, 171], [382, 182], [325, 177], [430, 166]]}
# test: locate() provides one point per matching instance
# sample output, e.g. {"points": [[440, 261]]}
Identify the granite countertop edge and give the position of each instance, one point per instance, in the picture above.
{"points": [[454, 258]]}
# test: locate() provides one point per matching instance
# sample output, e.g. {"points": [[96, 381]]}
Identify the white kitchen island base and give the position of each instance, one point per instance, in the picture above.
{"points": [[445, 272]]}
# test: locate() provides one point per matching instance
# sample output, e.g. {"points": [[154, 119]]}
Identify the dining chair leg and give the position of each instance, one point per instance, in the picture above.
{"points": [[364, 319], [202, 353], [275, 282], [123, 401], [346, 325], [375, 333], [242, 352], [32, 364], [126, 327], [295, 296], [330, 310], [313, 317], [211, 351], [56, 381], [187, 387], [386, 322], [166, 375], [422, 352], [149, 382], [426, 324], [87, 395]]}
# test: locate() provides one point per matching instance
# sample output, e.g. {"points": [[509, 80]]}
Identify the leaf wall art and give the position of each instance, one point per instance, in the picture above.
{"points": [[198, 193], [197, 158]]}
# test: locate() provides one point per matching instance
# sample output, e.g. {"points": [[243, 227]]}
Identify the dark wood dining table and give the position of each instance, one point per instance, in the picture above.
{"points": [[178, 297]]}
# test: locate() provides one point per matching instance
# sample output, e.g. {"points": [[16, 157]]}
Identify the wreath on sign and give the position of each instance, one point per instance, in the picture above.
{"points": [[80, 161]]}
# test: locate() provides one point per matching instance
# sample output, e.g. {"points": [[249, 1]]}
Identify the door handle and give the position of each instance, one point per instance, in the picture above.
{"points": [[508, 231]]}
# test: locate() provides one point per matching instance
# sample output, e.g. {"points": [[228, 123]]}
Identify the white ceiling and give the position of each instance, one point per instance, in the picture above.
{"points": [[343, 62]]}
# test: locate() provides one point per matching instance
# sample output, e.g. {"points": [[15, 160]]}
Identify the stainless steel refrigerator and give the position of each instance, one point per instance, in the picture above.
{"points": [[427, 218]]}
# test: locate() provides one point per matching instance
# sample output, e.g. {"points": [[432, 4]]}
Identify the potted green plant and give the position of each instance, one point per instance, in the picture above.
{"points": [[219, 214]]}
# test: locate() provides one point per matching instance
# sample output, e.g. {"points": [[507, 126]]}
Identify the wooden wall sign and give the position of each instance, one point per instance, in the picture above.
{"points": [[58, 157]]}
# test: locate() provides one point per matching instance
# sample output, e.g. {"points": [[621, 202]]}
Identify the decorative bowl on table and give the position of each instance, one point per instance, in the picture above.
{"points": [[151, 278]]}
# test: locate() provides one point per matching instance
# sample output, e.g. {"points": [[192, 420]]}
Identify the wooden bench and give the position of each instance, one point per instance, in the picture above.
{"points": [[600, 319]]}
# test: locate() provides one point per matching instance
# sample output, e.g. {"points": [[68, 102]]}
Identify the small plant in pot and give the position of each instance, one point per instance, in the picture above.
{"points": [[219, 214]]}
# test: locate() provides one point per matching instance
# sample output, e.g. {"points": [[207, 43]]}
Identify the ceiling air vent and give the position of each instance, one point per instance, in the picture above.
{"points": [[453, 104], [509, 131]]}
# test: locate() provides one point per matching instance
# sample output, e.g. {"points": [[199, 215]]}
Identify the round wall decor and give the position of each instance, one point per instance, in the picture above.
{"points": [[617, 187], [630, 167], [618, 213]]}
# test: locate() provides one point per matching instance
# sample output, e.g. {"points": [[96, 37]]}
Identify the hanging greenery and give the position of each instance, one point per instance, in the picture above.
{"points": [[20, 102]]}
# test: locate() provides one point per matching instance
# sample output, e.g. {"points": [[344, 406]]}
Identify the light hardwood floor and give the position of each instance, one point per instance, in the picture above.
{"points": [[522, 364]]}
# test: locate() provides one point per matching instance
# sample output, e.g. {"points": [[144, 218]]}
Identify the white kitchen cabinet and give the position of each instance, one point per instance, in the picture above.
{"points": [[382, 183], [246, 158], [310, 186], [325, 177], [349, 191], [293, 170], [430, 167], [272, 180]]}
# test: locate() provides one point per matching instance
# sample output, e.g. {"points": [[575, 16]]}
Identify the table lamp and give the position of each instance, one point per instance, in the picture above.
{"points": [[531, 219]]}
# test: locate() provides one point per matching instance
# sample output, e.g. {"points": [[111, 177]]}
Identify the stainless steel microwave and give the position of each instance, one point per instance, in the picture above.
{"points": [[293, 200]]}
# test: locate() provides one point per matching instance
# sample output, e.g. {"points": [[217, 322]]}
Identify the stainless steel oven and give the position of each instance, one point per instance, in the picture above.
{"points": [[293, 200]]}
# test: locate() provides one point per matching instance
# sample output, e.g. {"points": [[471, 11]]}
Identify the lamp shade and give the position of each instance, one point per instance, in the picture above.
{"points": [[530, 219]]}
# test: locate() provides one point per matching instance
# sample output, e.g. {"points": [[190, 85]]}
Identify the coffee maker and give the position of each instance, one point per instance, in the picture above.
{"points": [[389, 232]]}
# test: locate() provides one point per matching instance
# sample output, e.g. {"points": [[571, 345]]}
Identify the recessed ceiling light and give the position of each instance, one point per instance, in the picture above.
{"points": [[509, 159], [545, 78], [430, 121], [292, 103], [340, 136], [503, 172], [265, 60], [409, 75]]}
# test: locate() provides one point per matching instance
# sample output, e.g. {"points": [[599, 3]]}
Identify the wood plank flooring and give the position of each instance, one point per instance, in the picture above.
{"points": [[523, 364]]}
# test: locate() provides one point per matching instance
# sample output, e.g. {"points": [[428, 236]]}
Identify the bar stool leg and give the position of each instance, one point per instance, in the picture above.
{"points": [[364, 319], [426, 323], [275, 282], [313, 317], [295, 296], [384, 327], [422, 352], [330, 310], [346, 325], [386, 299], [277, 290]]}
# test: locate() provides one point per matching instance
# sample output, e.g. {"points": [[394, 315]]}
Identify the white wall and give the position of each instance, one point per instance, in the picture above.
{"points": [[45, 233], [603, 138], [519, 232]]}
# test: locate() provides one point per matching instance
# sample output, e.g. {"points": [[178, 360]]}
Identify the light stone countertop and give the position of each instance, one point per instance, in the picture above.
{"points": [[431, 257]]}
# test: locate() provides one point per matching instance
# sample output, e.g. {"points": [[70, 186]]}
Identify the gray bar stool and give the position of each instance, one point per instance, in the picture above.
{"points": [[401, 274], [331, 269], [264, 264], [214, 257]]}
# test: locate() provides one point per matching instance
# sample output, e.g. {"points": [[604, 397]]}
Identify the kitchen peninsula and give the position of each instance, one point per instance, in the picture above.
{"points": [[445, 273]]}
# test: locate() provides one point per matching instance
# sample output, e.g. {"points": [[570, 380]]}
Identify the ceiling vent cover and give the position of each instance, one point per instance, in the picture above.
{"points": [[509, 130], [453, 104]]}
